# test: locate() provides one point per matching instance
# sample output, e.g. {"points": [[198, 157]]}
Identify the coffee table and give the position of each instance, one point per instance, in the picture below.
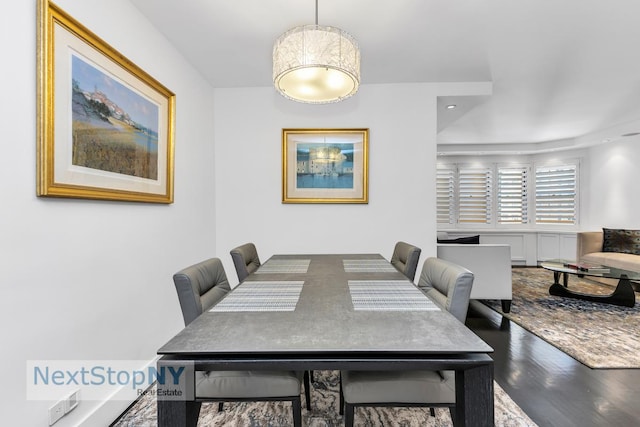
{"points": [[623, 295]]}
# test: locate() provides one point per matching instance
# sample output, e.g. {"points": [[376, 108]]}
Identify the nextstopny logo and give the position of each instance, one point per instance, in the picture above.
{"points": [[98, 380], [100, 375]]}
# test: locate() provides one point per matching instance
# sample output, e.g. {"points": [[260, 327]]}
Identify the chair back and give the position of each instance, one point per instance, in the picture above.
{"points": [[245, 259], [448, 284], [200, 287], [405, 258]]}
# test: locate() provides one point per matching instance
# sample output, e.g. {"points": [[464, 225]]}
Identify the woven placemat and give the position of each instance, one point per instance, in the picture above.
{"points": [[388, 295], [284, 266], [368, 266], [261, 296]]}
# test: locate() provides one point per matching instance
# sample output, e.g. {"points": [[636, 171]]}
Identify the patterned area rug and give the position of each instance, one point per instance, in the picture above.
{"points": [[598, 335], [324, 413]]}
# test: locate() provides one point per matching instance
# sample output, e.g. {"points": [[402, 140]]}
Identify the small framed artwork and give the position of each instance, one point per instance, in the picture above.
{"points": [[325, 165], [105, 126]]}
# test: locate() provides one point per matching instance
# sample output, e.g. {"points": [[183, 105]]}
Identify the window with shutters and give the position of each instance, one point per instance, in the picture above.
{"points": [[511, 197], [499, 195], [556, 191], [445, 195], [474, 195]]}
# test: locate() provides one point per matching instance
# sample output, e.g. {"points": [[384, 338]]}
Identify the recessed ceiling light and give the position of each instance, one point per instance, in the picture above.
{"points": [[451, 106]]}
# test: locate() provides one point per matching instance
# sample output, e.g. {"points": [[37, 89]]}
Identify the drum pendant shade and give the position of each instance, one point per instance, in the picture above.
{"points": [[316, 64]]}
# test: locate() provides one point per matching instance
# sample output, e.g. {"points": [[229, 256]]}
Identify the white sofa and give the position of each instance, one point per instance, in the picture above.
{"points": [[589, 249], [490, 265]]}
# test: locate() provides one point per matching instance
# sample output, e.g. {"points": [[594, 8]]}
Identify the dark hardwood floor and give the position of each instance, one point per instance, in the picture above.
{"points": [[551, 387]]}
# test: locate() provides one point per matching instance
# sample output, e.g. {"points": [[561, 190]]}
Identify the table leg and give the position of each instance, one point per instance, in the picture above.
{"points": [[556, 278], [176, 397], [172, 413], [623, 295], [474, 397]]}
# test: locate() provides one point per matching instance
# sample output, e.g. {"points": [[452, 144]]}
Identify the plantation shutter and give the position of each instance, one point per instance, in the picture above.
{"points": [[556, 194], [474, 195], [445, 199], [512, 195]]}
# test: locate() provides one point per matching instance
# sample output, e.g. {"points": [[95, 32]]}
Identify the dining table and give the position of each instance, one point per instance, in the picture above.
{"points": [[325, 312]]}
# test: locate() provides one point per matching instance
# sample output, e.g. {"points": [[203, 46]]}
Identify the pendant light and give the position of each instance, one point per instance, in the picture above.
{"points": [[316, 64]]}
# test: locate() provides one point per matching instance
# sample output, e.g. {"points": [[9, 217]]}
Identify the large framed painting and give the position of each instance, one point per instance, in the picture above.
{"points": [[325, 165], [105, 126]]}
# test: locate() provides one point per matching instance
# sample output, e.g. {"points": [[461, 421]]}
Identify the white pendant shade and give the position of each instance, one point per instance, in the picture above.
{"points": [[316, 64]]}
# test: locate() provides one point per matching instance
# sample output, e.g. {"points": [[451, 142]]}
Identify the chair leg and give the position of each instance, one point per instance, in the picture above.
{"points": [[432, 412], [296, 405], [348, 415], [452, 412], [220, 406], [341, 409], [307, 390], [311, 374]]}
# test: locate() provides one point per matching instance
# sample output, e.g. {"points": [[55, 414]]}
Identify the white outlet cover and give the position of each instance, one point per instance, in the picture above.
{"points": [[56, 412], [71, 401]]}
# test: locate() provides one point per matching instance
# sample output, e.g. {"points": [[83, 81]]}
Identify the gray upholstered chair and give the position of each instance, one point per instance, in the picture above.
{"points": [[199, 288], [449, 286], [245, 259], [405, 258]]}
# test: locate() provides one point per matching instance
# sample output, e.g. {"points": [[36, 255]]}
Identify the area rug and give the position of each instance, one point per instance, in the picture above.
{"points": [[324, 412], [598, 335]]}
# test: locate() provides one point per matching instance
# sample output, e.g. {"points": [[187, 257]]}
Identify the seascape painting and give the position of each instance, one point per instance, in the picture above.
{"points": [[105, 127], [114, 129], [324, 165]]}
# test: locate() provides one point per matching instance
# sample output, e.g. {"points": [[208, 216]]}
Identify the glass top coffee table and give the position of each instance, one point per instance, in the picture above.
{"points": [[623, 295]]}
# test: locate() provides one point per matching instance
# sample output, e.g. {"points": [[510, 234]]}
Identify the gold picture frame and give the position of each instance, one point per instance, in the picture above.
{"points": [[325, 165], [105, 126]]}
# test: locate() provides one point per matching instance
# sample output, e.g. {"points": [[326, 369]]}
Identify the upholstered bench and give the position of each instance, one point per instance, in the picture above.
{"points": [[490, 265]]}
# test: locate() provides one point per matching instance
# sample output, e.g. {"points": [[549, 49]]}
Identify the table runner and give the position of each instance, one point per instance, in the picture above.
{"points": [[368, 266], [284, 266], [261, 296], [388, 295]]}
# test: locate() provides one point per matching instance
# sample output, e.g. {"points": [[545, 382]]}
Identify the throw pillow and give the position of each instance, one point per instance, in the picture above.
{"points": [[622, 241], [471, 240]]}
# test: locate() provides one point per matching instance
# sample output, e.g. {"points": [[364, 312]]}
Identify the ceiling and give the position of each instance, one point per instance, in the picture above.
{"points": [[564, 73]]}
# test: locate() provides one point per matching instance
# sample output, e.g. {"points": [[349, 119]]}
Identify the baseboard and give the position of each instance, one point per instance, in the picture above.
{"points": [[108, 411]]}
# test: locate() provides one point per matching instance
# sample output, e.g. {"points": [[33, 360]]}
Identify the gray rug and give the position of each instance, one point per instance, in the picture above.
{"points": [[598, 335], [324, 413]]}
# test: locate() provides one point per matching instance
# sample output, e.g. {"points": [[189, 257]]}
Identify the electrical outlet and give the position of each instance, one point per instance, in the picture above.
{"points": [[71, 401], [56, 412]]}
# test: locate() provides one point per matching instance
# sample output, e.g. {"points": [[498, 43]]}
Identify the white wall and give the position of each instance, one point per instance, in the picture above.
{"points": [[402, 124], [614, 190], [91, 279]]}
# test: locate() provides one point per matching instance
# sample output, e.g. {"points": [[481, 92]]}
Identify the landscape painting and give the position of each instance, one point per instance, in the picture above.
{"points": [[114, 128], [325, 165], [105, 127]]}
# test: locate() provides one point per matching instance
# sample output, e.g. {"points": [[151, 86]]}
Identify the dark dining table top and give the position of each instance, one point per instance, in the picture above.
{"points": [[324, 320]]}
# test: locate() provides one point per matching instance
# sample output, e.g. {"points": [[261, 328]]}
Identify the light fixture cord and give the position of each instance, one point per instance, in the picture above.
{"points": [[316, 12]]}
